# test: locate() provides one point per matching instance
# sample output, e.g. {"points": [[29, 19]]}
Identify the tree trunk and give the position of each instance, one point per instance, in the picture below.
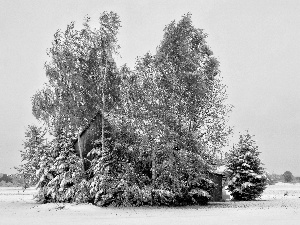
{"points": [[103, 106], [153, 167], [80, 150], [153, 158]]}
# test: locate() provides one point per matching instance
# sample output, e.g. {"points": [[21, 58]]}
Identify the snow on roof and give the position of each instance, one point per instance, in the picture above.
{"points": [[220, 169]]}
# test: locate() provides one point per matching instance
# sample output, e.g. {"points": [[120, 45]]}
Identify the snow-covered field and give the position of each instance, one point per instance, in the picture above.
{"points": [[280, 204]]}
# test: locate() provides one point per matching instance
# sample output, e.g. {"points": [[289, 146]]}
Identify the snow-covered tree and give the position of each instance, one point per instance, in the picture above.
{"points": [[60, 176], [34, 146], [162, 123], [288, 176], [246, 174]]}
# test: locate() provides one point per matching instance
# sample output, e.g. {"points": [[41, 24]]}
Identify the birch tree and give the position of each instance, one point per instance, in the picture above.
{"points": [[194, 92], [82, 81], [82, 74]]}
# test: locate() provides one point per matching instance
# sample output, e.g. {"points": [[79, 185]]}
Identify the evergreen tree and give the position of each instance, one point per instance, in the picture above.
{"points": [[246, 174], [34, 147], [60, 177], [114, 176]]}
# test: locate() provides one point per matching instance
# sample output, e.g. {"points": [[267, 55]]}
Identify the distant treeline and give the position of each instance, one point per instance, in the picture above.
{"points": [[12, 180], [274, 178]]}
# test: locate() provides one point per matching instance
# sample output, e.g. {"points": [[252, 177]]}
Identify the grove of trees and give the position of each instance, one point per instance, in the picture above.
{"points": [[168, 115]]}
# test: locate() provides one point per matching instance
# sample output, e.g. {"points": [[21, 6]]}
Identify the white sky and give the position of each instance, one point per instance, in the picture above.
{"points": [[256, 42]]}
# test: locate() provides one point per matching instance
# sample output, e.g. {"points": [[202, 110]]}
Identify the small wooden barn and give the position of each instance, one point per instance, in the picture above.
{"points": [[87, 137], [217, 178]]}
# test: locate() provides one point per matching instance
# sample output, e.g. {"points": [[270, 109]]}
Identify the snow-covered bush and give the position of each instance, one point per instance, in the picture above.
{"points": [[247, 179], [181, 179]]}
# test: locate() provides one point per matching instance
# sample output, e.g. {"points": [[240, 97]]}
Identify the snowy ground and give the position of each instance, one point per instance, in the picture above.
{"points": [[280, 204]]}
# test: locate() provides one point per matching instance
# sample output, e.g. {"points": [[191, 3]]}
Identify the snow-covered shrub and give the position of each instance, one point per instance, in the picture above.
{"points": [[162, 197], [247, 179], [182, 179]]}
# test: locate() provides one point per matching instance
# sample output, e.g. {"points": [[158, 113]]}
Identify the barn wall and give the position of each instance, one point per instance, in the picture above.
{"points": [[89, 135], [217, 193]]}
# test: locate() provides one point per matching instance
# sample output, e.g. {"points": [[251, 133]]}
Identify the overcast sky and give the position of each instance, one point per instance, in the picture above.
{"points": [[256, 42]]}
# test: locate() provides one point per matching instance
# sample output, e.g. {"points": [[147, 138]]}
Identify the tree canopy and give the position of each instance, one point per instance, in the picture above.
{"points": [[80, 67]]}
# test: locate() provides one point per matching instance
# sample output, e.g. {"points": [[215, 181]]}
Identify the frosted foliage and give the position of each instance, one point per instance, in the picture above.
{"points": [[247, 179]]}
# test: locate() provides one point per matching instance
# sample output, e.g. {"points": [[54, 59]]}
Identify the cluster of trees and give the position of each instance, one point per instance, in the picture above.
{"points": [[163, 123], [168, 119], [273, 178], [5, 178], [13, 180], [287, 177]]}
